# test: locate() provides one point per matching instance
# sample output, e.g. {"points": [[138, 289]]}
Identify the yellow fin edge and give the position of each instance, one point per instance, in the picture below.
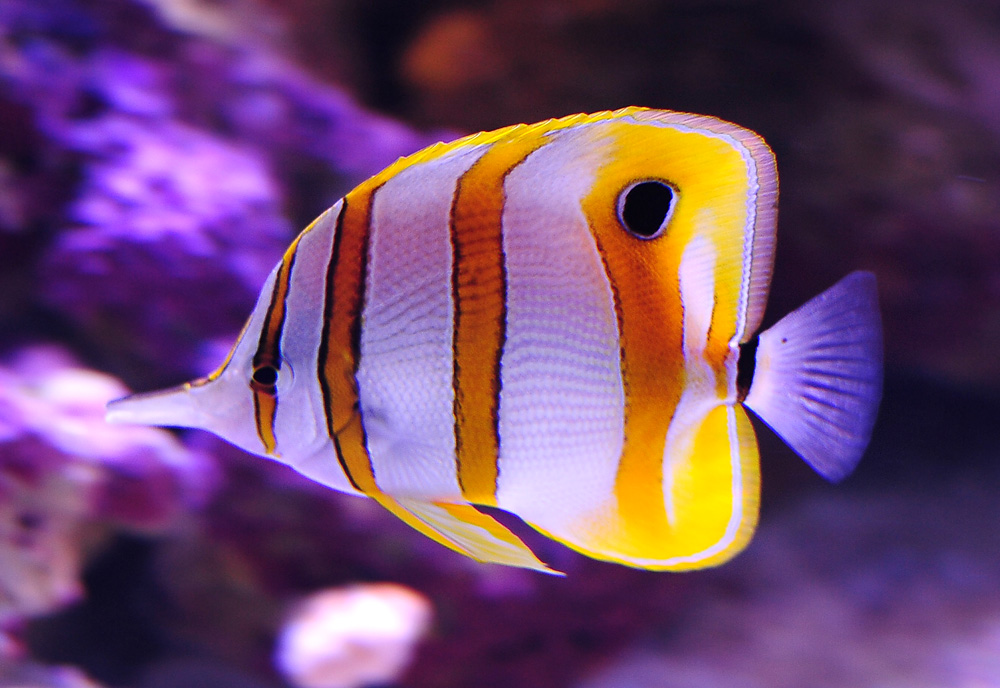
{"points": [[464, 529]]}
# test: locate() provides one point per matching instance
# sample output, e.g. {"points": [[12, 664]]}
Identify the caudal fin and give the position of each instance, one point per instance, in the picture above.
{"points": [[817, 381]]}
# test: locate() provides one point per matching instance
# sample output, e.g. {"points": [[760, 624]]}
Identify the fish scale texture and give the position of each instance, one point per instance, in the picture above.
{"points": [[884, 118]]}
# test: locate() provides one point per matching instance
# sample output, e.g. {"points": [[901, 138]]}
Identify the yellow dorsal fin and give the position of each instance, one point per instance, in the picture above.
{"points": [[466, 530]]}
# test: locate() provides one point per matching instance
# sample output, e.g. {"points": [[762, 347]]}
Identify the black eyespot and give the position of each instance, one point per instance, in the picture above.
{"points": [[264, 378], [645, 207]]}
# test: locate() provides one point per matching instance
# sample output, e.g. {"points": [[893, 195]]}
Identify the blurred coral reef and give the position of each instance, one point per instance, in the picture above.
{"points": [[69, 482], [65, 476], [360, 635], [157, 156]]}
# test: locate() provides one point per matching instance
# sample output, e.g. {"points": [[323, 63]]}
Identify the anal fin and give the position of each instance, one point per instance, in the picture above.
{"points": [[466, 530]]}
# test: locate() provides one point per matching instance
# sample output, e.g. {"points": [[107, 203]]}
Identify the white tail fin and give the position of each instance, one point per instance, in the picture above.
{"points": [[818, 375]]}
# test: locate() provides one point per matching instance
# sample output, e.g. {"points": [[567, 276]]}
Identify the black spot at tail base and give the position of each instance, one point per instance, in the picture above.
{"points": [[745, 367]]}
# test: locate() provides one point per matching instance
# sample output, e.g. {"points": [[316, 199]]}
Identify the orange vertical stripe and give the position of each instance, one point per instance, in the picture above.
{"points": [[710, 176], [643, 277], [340, 342], [479, 286], [265, 408], [265, 398]]}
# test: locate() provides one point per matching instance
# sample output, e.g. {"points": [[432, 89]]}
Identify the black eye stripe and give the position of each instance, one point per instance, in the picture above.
{"points": [[645, 207]]}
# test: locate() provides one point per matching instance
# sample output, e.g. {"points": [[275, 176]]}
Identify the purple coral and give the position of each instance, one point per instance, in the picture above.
{"points": [[177, 169], [183, 215], [62, 467]]}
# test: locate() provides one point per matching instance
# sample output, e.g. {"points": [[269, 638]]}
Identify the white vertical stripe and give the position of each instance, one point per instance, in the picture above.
{"points": [[696, 277], [406, 364], [300, 419], [562, 402]]}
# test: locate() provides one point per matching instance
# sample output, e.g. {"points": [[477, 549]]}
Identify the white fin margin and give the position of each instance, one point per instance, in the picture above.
{"points": [[818, 375]]}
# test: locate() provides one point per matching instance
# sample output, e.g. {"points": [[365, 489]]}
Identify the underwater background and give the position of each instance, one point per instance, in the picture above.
{"points": [[156, 158]]}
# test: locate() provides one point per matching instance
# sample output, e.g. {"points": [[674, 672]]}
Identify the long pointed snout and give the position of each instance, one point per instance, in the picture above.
{"points": [[179, 406], [221, 405]]}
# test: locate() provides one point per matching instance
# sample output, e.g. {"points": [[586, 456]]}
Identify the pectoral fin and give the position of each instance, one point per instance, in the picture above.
{"points": [[466, 530]]}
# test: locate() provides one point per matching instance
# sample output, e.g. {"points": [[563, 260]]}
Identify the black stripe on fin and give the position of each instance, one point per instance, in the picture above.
{"points": [[818, 376]]}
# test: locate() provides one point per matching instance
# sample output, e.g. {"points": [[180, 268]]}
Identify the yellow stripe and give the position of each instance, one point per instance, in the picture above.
{"points": [[479, 286], [716, 510], [648, 307], [343, 301]]}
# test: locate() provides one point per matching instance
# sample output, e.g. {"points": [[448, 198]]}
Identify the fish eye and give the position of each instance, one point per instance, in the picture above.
{"points": [[264, 378], [645, 207]]}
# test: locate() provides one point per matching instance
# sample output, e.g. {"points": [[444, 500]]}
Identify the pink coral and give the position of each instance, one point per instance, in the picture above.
{"points": [[352, 637]]}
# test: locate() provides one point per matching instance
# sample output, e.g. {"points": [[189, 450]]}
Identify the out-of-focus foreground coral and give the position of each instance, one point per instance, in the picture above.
{"points": [[361, 635], [68, 482], [157, 156]]}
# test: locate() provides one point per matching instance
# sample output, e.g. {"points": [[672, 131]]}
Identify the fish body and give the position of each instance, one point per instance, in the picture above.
{"points": [[549, 319]]}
